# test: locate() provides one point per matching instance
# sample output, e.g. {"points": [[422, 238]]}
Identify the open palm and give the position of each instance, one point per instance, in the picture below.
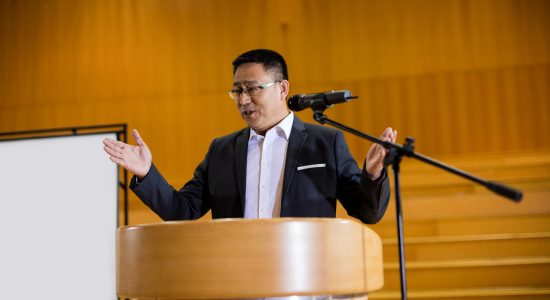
{"points": [[136, 159]]}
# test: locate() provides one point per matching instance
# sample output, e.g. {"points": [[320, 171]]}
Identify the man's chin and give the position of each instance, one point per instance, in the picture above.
{"points": [[250, 123], [255, 126]]}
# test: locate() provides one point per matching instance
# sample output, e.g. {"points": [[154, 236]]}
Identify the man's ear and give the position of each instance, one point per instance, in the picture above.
{"points": [[285, 85]]}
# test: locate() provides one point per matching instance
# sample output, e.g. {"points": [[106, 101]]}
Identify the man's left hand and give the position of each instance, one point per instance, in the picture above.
{"points": [[377, 153]]}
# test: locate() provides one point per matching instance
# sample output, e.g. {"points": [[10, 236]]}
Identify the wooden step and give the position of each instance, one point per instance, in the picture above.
{"points": [[526, 171], [470, 246], [480, 273], [459, 205], [465, 226], [516, 293]]}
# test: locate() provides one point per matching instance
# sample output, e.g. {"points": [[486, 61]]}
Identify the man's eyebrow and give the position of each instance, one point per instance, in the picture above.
{"points": [[244, 82]]}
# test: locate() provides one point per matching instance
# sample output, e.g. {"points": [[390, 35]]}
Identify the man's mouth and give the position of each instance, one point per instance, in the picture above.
{"points": [[247, 112]]}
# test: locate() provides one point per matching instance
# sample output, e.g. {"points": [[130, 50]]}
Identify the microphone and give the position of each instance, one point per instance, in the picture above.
{"points": [[319, 101]]}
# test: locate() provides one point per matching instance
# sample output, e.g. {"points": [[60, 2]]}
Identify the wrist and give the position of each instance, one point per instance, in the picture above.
{"points": [[144, 173], [374, 176]]}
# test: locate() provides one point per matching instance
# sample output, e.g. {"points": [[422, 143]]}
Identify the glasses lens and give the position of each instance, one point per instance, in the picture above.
{"points": [[253, 90], [235, 94]]}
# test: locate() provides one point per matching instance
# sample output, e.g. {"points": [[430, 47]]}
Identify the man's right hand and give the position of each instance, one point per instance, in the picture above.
{"points": [[136, 159]]}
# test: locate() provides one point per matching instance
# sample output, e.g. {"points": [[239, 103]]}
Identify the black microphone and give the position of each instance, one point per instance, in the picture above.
{"points": [[319, 100]]}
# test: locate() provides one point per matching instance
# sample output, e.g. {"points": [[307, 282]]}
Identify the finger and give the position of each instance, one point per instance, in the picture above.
{"points": [[392, 137], [111, 145], [386, 139], [373, 150], [376, 151], [381, 155], [109, 142], [113, 152], [117, 147], [377, 158], [121, 145], [137, 137], [118, 161], [387, 132]]}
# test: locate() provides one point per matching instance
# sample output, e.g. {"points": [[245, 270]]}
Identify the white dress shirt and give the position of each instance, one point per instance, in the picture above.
{"points": [[265, 165]]}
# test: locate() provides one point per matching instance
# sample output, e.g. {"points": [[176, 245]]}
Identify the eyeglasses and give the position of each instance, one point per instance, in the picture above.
{"points": [[251, 91]]}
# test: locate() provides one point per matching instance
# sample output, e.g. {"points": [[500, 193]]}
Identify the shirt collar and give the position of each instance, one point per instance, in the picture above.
{"points": [[283, 128]]}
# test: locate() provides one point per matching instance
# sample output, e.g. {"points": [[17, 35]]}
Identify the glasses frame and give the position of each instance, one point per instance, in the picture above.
{"points": [[250, 91]]}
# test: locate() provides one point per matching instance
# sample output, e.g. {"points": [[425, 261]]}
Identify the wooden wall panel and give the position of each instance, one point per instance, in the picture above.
{"points": [[462, 76]]}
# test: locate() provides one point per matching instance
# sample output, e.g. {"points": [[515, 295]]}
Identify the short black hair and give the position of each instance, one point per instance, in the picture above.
{"points": [[269, 59]]}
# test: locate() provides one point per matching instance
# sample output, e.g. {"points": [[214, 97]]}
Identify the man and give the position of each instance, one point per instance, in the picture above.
{"points": [[276, 167]]}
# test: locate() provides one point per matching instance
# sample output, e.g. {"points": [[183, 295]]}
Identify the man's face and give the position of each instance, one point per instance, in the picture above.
{"points": [[266, 106]]}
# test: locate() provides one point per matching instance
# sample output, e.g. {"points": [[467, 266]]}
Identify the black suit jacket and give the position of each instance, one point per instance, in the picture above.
{"points": [[219, 180]]}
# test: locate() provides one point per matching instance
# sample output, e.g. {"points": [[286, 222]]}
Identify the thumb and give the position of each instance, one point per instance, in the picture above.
{"points": [[381, 155], [138, 138]]}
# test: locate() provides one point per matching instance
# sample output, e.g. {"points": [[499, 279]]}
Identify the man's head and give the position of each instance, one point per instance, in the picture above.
{"points": [[260, 87]]}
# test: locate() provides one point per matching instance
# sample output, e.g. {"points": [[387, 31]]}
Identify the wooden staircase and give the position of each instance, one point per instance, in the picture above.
{"points": [[463, 242]]}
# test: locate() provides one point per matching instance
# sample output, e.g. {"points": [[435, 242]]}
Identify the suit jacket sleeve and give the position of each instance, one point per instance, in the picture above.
{"points": [[190, 202], [362, 198]]}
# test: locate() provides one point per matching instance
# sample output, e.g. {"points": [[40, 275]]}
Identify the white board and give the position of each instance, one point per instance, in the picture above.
{"points": [[58, 218]]}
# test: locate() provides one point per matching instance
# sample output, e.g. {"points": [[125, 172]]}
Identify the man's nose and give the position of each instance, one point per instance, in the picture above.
{"points": [[245, 99]]}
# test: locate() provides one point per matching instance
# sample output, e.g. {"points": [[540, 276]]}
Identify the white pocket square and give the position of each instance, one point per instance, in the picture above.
{"points": [[311, 166]]}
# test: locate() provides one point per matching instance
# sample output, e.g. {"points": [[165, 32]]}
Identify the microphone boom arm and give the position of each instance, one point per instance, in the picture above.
{"points": [[408, 150]]}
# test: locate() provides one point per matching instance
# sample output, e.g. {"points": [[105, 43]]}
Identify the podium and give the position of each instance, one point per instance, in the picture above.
{"points": [[243, 259]]}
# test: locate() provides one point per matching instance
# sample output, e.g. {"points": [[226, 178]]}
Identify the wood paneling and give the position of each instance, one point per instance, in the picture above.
{"points": [[461, 76]]}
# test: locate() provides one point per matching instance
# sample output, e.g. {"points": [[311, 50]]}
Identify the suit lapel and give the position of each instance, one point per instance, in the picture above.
{"points": [[241, 150], [296, 141]]}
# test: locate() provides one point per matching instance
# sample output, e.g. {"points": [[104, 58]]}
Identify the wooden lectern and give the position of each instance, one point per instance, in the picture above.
{"points": [[237, 259]]}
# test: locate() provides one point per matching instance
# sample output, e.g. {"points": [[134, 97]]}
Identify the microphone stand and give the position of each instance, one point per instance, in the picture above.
{"points": [[394, 157]]}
